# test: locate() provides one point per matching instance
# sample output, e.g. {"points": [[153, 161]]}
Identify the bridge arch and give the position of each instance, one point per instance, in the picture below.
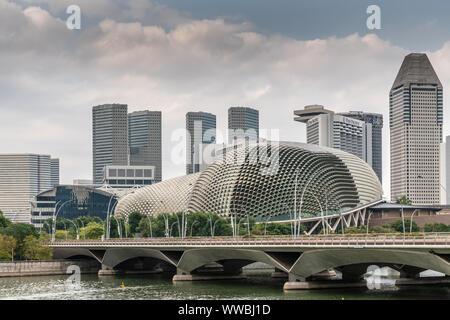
{"points": [[115, 256], [318, 260], [68, 253], [195, 258]]}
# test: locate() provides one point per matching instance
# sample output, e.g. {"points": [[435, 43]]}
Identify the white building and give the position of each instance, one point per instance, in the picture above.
{"points": [[416, 117], [23, 176], [445, 174], [332, 130], [128, 176]]}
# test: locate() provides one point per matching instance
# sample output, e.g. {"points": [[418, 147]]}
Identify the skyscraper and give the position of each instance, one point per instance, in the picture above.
{"points": [[22, 176], [415, 121], [109, 138], [243, 122], [201, 130], [144, 137], [328, 129], [55, 171], [376, 127], [447, 169]]}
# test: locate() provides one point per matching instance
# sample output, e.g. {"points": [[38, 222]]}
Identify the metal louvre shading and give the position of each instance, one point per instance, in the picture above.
{"points": [[241, 181]]}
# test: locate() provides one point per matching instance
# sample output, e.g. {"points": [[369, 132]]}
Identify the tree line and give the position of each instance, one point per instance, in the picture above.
{"points": [[21, 241]]}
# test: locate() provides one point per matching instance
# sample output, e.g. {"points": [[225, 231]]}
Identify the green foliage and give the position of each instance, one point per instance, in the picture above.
{"points": [[197, 224], [117, 227], [19, 231], [403, 200], [355, 230], [382, 229], [4, 222], [36, 249], [94, 230], [44, 236], [7, 245], [398, 226], [144, 226], [133, 220], [274, 229], [61, 235], [436, 227]]}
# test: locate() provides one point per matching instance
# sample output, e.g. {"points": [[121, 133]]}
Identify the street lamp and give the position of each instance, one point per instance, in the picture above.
{"points": [[76, 229], [325, 229], [265, 224], [248, 225], [192, 226], [184, 214], [108, 217], [84, 229], [403, 222], [150, 225], [301, 199], [214, 227], [171, 227], [368, 220], [410, 225], [166, 224], [119, 227], [54, 219]]}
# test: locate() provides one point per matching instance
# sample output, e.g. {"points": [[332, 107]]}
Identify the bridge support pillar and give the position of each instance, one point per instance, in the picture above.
{"points": [[188, 276], [278, 273], [295, 278], [107, 271]]}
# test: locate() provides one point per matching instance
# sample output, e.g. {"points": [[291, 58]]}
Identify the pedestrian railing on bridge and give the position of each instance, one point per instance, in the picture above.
{"points": [[434, 239]]}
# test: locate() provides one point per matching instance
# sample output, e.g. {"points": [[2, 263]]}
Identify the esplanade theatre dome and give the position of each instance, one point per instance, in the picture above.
{"points": [[266, 180]]}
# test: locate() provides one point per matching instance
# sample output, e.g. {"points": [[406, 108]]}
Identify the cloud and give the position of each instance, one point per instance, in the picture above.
{"points": [[51, 76]]}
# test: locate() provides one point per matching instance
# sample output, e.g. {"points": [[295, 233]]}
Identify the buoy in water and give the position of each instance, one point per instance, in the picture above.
{"points": [[123, 286]]}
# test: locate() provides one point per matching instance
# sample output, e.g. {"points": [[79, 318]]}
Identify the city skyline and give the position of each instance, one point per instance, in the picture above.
{"points": [[266, 67]]}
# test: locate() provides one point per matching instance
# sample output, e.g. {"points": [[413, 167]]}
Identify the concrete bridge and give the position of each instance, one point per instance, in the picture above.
{"points": [[300, 258]]}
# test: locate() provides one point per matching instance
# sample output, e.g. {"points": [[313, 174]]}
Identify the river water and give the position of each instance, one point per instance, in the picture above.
{"points": [[259, 286]]}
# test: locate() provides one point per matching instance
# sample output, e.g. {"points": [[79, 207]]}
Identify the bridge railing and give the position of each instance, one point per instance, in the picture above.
{"points": [[314, 241]]}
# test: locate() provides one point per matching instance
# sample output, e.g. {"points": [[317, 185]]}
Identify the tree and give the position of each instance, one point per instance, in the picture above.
{"points": [[383, 229], [274, 228], [355, 230], [398, 226], [144, 226], [4, 222], [133, 220], [19, 231], [7, 246], [403, 200], [436, 227], [36, 249], [94, 230]]}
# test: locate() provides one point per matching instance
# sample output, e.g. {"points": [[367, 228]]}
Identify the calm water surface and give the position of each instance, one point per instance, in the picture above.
{"points": [[258, 286]]}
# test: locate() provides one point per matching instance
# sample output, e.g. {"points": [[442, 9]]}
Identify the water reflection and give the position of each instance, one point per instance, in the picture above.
{"points": [[257, 286]]}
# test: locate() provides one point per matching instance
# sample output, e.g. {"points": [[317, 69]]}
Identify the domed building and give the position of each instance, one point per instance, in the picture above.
{"points": [[267, 181]]}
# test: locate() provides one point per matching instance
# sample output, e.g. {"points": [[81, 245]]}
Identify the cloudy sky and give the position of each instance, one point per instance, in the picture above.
{"points": [[190, 55]]}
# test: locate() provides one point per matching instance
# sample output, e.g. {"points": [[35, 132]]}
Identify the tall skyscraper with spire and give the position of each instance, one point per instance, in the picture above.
{"points": [[415, 120]]}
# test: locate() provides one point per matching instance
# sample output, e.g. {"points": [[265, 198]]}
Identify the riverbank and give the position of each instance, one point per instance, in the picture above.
{"points": [[45, 267]]}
